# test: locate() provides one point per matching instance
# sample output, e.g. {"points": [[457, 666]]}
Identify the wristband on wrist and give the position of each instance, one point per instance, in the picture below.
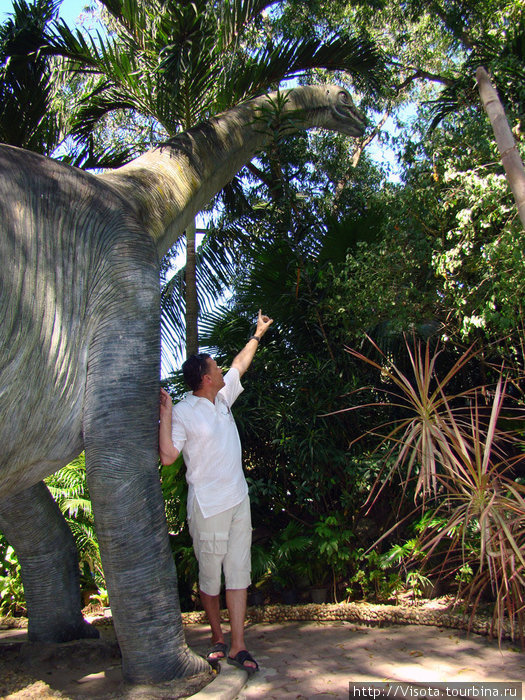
{"points": [[255, 337]]}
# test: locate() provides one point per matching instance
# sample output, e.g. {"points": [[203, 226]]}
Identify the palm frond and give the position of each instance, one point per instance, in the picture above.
{"points": [[215, 270], [28, 78], [22, 33], [96, 107], [505, 62], [234, 17], [453, 99], [85, 53], [131, 14], [89, 154], [172, 309], [357, 56]]}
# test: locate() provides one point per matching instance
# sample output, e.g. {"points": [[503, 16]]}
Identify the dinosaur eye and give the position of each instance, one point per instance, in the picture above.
{"points": [[343, 96]]}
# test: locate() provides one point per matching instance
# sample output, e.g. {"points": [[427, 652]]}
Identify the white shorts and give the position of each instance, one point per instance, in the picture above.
{"points": [[222, 542]]}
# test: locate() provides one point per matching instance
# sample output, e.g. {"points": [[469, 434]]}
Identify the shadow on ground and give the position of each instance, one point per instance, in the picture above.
{"points": [[87, 669]]}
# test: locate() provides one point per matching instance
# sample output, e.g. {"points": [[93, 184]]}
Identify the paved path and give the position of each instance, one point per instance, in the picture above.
{"points": [[315, 661], [318, 660]]}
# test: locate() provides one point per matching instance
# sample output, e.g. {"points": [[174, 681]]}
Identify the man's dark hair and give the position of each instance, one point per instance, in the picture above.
{"points": [[195, 367]]}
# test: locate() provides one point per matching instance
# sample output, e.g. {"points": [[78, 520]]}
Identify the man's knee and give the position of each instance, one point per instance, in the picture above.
{"points": [[235, 580], [237, 566], [210, 549], [210, 581]]}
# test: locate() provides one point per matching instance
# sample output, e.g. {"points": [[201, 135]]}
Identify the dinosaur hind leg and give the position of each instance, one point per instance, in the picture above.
{"points": [[36, 529]]}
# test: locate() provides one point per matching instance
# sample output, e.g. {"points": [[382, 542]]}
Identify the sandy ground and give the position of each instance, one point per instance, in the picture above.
{"points": [[81, 670]]}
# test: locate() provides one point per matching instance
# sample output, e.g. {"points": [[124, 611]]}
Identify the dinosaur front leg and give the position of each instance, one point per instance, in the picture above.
{"points": [[121, 441], [140, 576], [46, 550]]}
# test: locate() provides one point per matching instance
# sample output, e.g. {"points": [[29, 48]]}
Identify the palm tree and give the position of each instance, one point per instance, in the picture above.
{"points": [[178, 63], [29, 117]]}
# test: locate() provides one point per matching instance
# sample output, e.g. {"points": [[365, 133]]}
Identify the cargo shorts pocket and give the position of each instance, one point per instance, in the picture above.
{"points": [[213, 543]]}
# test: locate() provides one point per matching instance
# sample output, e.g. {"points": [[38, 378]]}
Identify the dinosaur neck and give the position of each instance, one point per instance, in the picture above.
{"points": [[169, 185]]}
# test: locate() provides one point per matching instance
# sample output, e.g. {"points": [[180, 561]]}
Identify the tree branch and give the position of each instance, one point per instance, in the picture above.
{"points": [[260, 175], [419, 73], [358, 152]]}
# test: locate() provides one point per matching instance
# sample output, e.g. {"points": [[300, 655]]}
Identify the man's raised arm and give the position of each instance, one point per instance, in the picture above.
{"points": [[244, 359]]}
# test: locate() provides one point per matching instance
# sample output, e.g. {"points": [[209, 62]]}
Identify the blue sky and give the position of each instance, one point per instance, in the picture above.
{"points": [[69, 9]]}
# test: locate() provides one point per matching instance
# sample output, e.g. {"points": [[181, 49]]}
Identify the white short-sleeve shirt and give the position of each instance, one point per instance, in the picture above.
{"points": [[207, 436]]}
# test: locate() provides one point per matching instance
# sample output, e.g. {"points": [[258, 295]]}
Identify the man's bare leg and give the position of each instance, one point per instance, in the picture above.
{"points": [[236, 604], [211, 605]]}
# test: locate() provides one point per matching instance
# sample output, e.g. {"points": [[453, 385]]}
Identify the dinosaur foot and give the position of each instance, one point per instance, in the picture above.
{"points": [[176, 688], [58, 633]]}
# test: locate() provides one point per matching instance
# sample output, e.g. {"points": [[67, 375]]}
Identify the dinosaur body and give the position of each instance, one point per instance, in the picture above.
{"points": [[80, 359]]}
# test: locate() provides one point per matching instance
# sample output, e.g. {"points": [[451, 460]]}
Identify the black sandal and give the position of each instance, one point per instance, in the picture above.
{"points": [[239, 659], [221, 648]]}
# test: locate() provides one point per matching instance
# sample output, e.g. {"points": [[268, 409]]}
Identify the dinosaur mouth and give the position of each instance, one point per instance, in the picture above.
{"points": [[352, 121]]}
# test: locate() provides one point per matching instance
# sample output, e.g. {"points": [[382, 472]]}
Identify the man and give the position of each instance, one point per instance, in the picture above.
{"points": [[202, 427]]}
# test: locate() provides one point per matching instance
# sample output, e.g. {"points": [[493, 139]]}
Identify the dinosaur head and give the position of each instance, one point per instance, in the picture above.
{"points": [[329, 107], [340, 113]]}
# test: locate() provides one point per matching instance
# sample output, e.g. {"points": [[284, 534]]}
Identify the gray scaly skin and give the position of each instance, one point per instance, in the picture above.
{"points": [[80, 363]]}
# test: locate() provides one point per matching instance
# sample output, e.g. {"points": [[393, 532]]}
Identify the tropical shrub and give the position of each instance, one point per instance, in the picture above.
{"points": [[69, 488], [457, 448], [12, 599]]}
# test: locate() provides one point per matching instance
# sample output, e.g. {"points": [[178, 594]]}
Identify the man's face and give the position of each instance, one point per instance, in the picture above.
{"points": [[215, 374]]}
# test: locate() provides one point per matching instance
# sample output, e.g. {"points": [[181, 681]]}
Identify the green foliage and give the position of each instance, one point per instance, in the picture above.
{"points": [[331, 548], [389, 283], [101, 597], [479, 263], [374, 577], [12, 599], [282, 561], [417, 583], [29, 80], [69, 488], [175, 491], [285, 565]]}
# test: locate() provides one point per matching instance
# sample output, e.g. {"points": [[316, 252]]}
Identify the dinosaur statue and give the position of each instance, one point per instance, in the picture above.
{"points": [[80, 365]]}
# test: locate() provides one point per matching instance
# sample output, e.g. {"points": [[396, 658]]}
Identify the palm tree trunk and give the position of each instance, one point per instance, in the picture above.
{"points": [[509, 153], [192, 302]]}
